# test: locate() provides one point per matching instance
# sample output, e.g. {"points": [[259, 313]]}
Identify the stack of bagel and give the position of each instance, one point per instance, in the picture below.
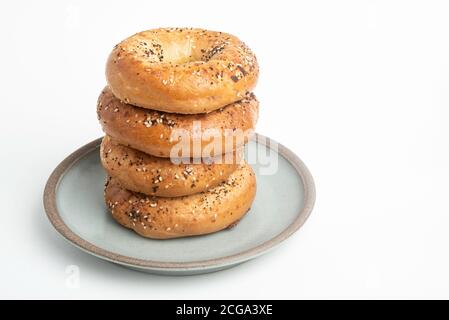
{"points": [[177, 111]]}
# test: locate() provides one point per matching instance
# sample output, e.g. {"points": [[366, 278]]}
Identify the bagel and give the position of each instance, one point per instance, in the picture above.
{"points": [[201, 213], [155, 132], [181, 70], [139, 172]]}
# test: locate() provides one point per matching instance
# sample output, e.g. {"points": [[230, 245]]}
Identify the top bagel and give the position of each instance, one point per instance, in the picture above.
{"points": [[181, 70]]}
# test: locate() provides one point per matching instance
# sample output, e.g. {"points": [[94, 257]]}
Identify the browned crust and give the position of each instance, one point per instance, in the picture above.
{"points": [[202, 213], [181, 70], [151, 131], [140, 172]]}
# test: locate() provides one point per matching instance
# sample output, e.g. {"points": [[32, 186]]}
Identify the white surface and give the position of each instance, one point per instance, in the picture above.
{"points": [[359, 89]]}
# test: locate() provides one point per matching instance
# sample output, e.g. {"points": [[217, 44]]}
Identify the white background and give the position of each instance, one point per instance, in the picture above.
{"points": [[358, 89]]}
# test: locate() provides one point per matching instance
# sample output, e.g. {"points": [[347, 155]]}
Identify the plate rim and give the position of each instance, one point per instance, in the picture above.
{"points": [[50, 206]]}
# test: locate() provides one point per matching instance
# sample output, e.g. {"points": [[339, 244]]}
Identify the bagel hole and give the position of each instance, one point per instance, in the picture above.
{"points": [[180, 52]]}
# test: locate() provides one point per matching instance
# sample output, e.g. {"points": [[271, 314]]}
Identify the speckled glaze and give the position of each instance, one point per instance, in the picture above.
{"points": [[73, 200]]}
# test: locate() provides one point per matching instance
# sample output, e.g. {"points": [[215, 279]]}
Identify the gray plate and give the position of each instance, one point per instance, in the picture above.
{"points": [[73, 200]]}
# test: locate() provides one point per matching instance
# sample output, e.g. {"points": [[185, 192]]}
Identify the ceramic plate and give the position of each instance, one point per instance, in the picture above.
{"points": [[73, 200]]}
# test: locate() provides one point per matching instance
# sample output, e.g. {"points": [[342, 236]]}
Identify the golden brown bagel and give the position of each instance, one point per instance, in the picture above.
{"points": [[139, 172], [152, 131], [201, 213], [181, 70]]}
